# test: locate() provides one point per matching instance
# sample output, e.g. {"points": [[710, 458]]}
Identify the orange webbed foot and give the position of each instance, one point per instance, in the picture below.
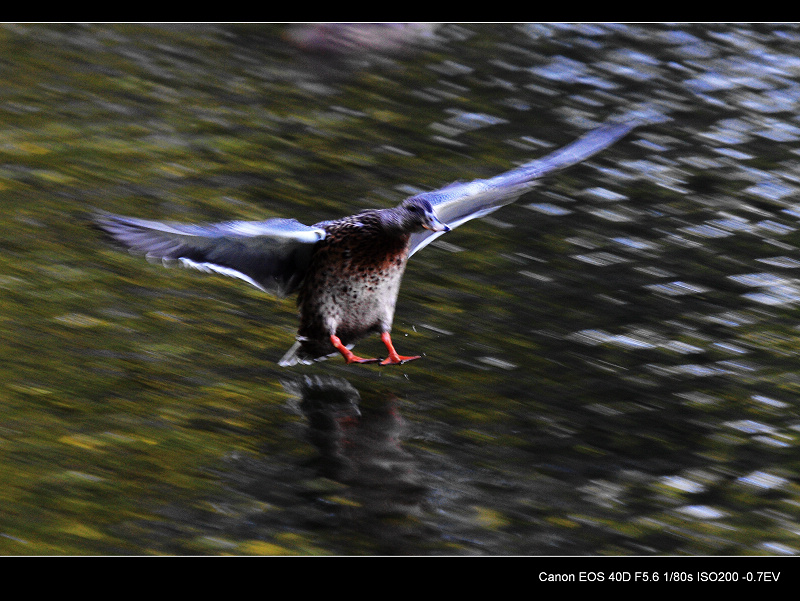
{"points": [[348, 355], [355, 359], [398, 359], [394, 358]]}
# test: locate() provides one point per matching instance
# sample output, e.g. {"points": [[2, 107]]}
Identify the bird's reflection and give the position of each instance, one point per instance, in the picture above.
{"points": [[359, 439]]}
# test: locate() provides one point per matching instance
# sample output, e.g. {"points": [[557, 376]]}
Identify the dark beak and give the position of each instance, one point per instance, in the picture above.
{"points": [[433, 224]]}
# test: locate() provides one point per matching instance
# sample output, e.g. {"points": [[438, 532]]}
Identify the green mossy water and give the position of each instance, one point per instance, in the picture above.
{"points": [[618, 376]]}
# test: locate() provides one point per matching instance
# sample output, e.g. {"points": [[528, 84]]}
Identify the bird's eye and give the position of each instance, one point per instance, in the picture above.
{"points": [[413, 208]]}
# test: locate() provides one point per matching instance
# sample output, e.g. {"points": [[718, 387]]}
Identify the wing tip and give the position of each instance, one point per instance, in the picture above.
{"points": [[639, 117], [109, 224]]}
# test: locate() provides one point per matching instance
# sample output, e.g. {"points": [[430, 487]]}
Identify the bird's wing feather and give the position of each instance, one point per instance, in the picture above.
{"points": [[272, 255], [459, 202]]}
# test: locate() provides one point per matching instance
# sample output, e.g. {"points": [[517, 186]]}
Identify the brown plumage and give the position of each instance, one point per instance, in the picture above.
{"points": [[348, 271], [353, 279]]}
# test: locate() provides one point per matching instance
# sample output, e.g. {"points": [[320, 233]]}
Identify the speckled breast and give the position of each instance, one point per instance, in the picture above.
{"points": [[352, 283]]}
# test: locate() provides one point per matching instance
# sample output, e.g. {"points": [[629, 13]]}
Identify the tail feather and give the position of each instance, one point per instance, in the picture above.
{"points": [[292, 356], [305, 352]]}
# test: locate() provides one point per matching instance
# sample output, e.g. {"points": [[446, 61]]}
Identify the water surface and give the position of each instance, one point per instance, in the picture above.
{"points": [[610, 365]]}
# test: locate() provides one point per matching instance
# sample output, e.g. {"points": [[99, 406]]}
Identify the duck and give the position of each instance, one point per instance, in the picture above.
{"points": [[346, 272]]}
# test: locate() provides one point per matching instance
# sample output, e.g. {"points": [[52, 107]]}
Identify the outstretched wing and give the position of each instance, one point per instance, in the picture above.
{"points": [[459, 202], [272, 255]]}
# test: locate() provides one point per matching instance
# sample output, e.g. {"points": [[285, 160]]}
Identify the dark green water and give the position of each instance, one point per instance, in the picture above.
{"points": [[610, 365]]}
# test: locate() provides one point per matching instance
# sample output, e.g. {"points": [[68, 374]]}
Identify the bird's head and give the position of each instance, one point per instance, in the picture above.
{"points": [[417, 213]]}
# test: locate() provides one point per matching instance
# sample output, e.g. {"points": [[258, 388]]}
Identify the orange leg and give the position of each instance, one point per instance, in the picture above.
{"points": [[393, 358], [347, 353]]}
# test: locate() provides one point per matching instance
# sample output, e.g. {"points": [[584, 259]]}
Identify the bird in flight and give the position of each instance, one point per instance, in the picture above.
{"points": [[346, 272]]}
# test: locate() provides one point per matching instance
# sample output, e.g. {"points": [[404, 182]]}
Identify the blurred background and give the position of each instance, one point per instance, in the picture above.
{"points": [[610, 364]]}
